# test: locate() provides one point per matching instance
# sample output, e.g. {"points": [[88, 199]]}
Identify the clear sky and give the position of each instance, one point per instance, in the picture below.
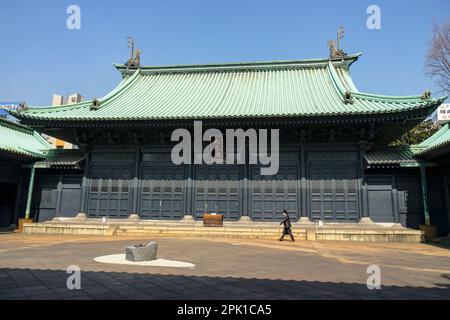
{"points": [[39, 56]]}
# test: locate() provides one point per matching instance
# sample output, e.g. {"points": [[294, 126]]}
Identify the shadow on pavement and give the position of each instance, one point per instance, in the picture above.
{"points": [[51, 284]]}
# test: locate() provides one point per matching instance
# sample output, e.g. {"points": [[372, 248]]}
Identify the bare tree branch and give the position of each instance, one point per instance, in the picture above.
{"points": [[438, 56]]}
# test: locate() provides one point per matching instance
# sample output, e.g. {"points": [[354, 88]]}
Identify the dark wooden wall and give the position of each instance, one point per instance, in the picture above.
{"points": [[319, 181], [312, 178], [56, 194], [13, 191], [395, 195]]}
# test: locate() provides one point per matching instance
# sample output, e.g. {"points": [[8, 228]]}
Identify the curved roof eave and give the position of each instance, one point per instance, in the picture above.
{"points": [[439, 140]]}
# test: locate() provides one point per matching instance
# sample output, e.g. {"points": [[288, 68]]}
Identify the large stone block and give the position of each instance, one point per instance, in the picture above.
{"points": [[22, 222], [142, 253], [430, 232]]}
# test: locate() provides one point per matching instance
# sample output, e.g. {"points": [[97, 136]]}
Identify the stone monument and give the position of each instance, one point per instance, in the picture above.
{"points": [[142, 253]]}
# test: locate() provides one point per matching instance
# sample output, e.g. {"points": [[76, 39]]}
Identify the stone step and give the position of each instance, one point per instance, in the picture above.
{"points": [[208, 235], [245, 233], [331, 233], [200, 229]]}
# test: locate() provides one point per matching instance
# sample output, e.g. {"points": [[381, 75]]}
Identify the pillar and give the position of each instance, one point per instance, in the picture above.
{"points": [[84, 185], [30, 193], [363, 194], [15, 216], [245, 203], [304, 215], [447, 199], [423, 175], [135, 182], [303, 184], [189, 214], [59, 194]]}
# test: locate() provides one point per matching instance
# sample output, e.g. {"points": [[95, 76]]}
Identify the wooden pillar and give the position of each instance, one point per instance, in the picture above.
{"points": [[135, 185], [245, 194], [189, 211], [245, 205], [15, 216], [30, 193], [395, 200], [447, 198], [85, 185], [303, 183], [59, 194], [423, 175], [363, 194]]}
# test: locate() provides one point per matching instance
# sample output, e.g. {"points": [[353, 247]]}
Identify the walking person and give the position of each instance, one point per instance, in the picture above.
{"points": [[287, 230]]}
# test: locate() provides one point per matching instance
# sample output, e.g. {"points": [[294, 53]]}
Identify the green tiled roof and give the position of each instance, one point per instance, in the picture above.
{"points": [[61, 158], [18, 140], [402, 156], [305, 88], [410, 155], [439, 140]]}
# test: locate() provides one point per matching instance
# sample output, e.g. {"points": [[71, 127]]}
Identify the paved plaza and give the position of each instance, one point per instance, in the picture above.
{"points": [[34, 267]]}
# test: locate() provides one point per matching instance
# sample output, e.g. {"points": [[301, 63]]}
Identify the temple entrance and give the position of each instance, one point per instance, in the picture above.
{"points": [[7, 203]]}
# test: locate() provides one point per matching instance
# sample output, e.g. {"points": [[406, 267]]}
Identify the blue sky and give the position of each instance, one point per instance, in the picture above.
{"points": [[39, 56]]}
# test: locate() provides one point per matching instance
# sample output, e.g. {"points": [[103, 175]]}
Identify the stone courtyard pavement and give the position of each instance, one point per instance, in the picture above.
{"points": [[34, 267]]}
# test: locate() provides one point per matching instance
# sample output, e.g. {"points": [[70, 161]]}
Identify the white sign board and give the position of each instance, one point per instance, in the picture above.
{"points": [[443, 113]]}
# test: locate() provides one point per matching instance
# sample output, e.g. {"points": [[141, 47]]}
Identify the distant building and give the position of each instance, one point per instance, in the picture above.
{"points": [[443, 113], [75, 98], [58, 100]]}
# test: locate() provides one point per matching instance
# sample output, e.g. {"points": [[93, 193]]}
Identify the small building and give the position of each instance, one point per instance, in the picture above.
{"points": [[20, 148], [334, 161], [58, 100]]}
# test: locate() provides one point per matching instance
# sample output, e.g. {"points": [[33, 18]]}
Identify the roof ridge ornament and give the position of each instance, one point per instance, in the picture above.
{"points": [[22, 107], [348, 99], [95, 105], [426, 95], [135, 56], [335, 46]]}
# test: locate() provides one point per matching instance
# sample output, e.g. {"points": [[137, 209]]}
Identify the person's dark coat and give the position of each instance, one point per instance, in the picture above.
{"points": [[286, 222]]}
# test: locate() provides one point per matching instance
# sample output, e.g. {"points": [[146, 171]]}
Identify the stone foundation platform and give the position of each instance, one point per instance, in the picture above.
{"points": [[238, 230]]}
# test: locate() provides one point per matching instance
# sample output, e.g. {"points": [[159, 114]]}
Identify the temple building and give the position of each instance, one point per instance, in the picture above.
{"points": [[20, 148], [335, 162]]}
